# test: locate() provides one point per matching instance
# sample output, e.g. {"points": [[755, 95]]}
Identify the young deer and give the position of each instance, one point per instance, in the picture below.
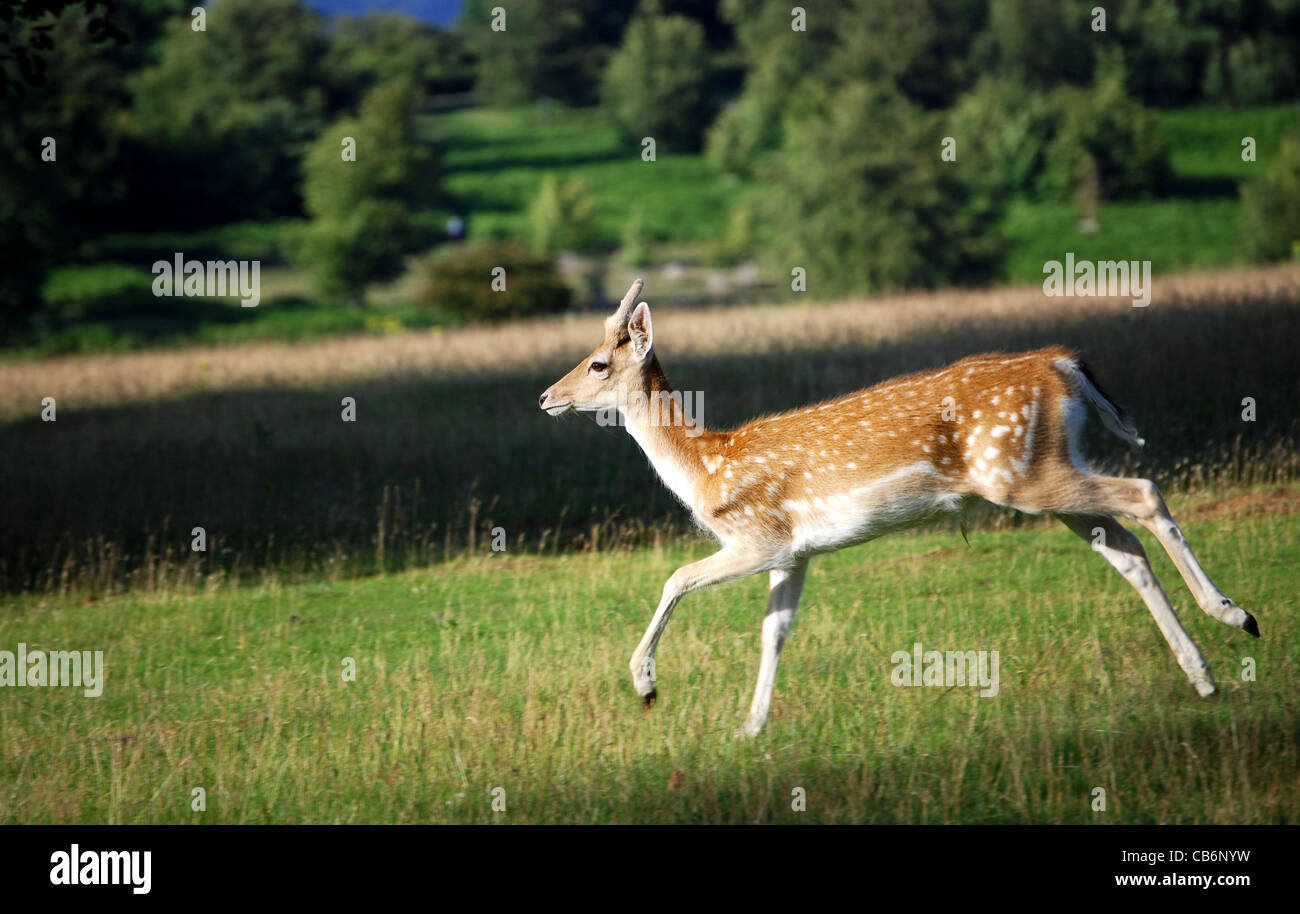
{"points": [[786, 487]]}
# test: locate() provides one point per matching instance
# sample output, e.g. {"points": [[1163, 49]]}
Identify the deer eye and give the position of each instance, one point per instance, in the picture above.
{"points": [[598, 367]]}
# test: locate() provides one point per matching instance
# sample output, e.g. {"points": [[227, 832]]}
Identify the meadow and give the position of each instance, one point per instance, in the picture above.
{"points": [[475, 669], [509, 671]]}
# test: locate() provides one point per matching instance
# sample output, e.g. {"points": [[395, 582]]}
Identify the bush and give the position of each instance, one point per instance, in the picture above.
{"points": [[1272, 205], [346, 252], [458, 282], [655, 83]]}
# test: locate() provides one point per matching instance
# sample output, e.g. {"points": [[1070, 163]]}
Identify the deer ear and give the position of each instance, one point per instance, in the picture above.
{"points": [[641, 332]]}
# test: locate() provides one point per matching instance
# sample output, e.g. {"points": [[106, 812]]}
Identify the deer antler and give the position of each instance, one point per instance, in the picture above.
{"points": [[618, 320]]}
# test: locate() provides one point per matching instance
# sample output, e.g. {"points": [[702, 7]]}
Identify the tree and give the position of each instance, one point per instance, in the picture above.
{"points": [[545, 50], [226, 113], [861, 200], [377, 47], [922, 48], [655, 84], [59, 147], [360, 204], [1272, 205]]}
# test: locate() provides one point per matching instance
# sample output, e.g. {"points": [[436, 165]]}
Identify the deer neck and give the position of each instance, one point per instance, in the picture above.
{"points": [[670, 436]]}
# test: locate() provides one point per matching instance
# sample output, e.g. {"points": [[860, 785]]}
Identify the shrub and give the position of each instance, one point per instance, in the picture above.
{"points": [[458, 282], [1272, 205], [74, 291]]}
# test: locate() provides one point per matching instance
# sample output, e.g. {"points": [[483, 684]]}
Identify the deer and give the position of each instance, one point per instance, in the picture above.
{"points": [[783, 488]]}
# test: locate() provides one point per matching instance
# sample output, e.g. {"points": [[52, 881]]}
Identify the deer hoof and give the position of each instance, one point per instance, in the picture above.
{"points": [[1250, 626]]}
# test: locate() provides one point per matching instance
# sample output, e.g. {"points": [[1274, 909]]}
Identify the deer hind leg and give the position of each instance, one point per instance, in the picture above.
{"points": [[1124, 551], [786, 585], [727, 564], [1140, 499]]}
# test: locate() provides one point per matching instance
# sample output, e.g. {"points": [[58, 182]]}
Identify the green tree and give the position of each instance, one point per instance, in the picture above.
{"points": [[225, 114], [656, 82], [1104, 135], [1272, 205], [545, 50], [922, 48], [378, 47], [60, 148], [861, 200], [361, 226]]}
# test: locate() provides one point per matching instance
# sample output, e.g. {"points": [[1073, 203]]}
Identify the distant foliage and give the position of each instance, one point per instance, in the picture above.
{"points": [[1105, 127], [225, 113], [737, 242], [1272, 204], [1015, 141], [563, 215], [655, 84], [552, 50], [361, 225], [458, 282], [635, 237], [47, 209], [1002, 131], [862, 216], [380, 46]]}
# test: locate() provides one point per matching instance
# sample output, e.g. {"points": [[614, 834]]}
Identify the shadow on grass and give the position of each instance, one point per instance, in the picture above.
{"points": [[1181, 763], [1203, 188], [278, 480]]}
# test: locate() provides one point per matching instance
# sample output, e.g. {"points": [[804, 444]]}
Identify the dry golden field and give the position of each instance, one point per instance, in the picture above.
{"points": [[247, 441]]}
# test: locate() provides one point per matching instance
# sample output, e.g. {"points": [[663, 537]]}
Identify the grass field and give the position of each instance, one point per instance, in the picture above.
{"points": [[510, 671], [368, 540]]}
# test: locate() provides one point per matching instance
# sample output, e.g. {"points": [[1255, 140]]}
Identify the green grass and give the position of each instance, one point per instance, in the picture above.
{"points": [[506, 671], [1200, 224], [1174, 234], [495, 161]]}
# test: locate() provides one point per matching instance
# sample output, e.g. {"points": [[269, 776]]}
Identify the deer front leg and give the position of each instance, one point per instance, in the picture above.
{"points": [[727, 564], [786, 586]]}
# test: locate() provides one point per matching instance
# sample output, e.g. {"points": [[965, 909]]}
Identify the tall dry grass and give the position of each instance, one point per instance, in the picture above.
{"points": [[247, 441]]}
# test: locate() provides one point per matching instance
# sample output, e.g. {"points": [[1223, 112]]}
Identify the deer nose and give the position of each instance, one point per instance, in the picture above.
{"points": [[541, 401]]}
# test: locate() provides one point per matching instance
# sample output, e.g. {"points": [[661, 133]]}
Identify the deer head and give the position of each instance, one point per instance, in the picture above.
{"points": [[618, 366]]}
